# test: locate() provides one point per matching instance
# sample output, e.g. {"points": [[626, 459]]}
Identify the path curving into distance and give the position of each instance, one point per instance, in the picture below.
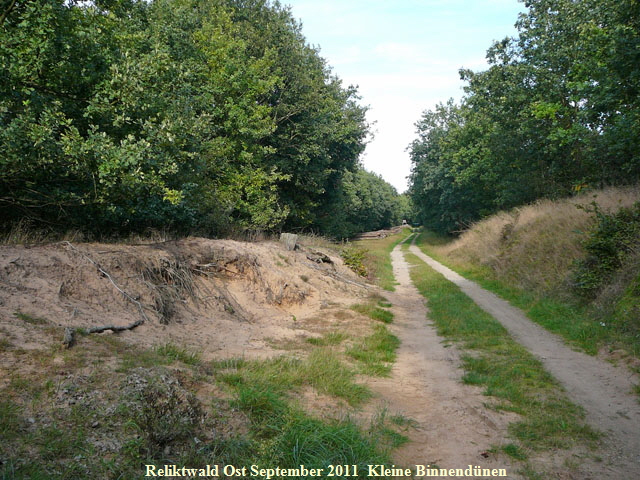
{"points": [[603, 390]]}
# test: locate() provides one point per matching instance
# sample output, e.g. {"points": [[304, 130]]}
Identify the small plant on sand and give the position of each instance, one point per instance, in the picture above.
{"points": [[354, 257], [165, 413]]}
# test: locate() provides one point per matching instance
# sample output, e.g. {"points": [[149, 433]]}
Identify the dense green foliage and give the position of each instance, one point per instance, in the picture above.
{"points": [[365, 202], [212, 115], [615, 239], [557, 111]]}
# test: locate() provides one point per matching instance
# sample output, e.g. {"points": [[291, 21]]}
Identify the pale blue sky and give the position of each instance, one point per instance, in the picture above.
{"points": [[404, 56]]}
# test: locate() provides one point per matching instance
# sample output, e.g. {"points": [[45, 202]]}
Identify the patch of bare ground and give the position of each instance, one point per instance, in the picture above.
{"points": [[448, 423], [219, 297], [202, 301]]}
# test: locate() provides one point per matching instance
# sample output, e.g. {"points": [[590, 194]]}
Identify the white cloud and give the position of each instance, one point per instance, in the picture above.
{"points": [[405, 57]]}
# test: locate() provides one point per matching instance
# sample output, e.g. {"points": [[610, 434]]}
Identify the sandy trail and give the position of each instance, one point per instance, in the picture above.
{"points": [[453, 429], [604, 391]]}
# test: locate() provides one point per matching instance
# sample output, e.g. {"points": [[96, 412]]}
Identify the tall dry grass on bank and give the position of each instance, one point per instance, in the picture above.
{"points": [[533, 247]]}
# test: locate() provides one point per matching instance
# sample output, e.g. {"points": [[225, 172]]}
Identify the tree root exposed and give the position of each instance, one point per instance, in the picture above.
{"points": [[69, 333]]}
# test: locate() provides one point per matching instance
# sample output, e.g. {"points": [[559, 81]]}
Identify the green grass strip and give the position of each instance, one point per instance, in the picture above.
{"points": [[328, 339], [506, 369], [568, 319], [374, 312], [322, 370], [378, 258], [283, 435]]}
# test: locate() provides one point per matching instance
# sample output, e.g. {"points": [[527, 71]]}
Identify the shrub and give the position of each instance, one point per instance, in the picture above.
{"points": [[614, 239], [354, 257], [164, 412]]}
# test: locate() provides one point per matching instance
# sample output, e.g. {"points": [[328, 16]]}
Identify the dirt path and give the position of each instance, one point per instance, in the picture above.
{"points": [[602, 389], [453, 429]]}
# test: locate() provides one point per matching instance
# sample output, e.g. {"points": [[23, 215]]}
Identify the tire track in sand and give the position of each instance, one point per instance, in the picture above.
{"points": [[453, 428], [604, 391]]}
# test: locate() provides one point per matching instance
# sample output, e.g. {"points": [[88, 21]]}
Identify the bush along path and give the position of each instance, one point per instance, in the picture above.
{"points": [[603, 390]]}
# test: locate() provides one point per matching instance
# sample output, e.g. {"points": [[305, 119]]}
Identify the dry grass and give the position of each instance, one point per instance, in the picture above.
{"points": [[24, 233], [316, 240], [533, 247]]}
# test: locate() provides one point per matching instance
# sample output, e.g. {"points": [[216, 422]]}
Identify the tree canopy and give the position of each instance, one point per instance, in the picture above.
{"points": [[190, 115], [556, 112]]}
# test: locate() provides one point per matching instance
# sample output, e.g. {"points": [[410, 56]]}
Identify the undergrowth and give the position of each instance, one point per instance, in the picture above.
{"points": [[353, 258], [615, 238]]}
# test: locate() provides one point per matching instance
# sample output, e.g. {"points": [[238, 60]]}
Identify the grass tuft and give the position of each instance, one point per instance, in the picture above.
{"points": [[173, 352], [380, 425], [328, 339], [377, 352], [374, 312], [317, 444], [31, 319]]}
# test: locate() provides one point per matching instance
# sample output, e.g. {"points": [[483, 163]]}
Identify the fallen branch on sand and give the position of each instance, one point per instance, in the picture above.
{"points": [[337, 276], [70, 333], [113, 328]]}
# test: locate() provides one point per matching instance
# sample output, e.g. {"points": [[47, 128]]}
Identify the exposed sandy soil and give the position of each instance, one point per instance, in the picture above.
{"points": [[220, 297], [603, 390], [453, 427]]}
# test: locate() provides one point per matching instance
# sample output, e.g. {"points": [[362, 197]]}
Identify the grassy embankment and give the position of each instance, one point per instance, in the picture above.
{"points": [[518, 381], [528, 257], [104, 410]]}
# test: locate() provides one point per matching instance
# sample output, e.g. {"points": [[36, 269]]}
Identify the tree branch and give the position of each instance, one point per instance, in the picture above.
{"points": [[7, 11]]}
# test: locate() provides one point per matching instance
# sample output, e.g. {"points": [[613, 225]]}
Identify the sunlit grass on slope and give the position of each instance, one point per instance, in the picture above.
{"points": [[526, 257]]}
